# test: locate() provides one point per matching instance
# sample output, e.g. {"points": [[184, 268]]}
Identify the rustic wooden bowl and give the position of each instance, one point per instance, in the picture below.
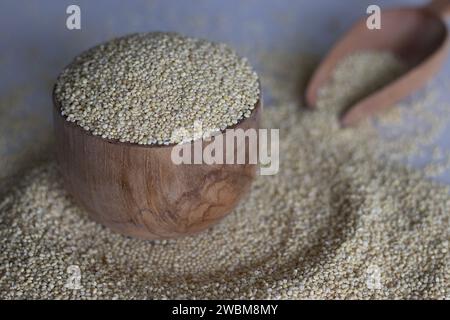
{"points": [[137, 191]]}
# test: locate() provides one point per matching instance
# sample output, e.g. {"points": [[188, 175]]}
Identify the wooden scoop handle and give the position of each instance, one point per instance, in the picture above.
{"points": [[440, 7]]}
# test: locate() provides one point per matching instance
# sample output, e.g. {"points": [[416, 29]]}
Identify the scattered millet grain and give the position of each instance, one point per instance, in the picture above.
{"points": [[143, 87], [336, 222]]}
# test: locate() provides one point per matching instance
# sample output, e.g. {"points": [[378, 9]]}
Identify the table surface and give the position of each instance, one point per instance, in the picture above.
{"points": [[36, 44]]}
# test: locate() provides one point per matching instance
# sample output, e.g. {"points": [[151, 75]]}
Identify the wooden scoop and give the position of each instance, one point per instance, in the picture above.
{"points": [[417, 36]]}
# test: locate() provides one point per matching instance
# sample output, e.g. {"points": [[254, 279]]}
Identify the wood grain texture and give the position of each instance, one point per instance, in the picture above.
{"points": [[417, 36], [138, 191]]}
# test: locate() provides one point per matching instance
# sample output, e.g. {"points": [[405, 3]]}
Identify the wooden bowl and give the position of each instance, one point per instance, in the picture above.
{"points": [[138, 191]]}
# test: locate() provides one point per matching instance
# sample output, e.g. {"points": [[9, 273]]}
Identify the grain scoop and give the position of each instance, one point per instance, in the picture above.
{"points": [[416, 36]]}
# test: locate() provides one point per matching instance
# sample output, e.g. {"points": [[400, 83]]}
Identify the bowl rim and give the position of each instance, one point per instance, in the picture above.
{"points": [[74, 125]]}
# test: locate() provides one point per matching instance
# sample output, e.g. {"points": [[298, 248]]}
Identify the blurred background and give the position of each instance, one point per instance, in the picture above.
{"points": [[36, 45]]}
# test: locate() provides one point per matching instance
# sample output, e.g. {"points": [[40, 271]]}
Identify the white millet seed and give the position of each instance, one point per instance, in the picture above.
{"points": [[370, 71], [143, 87]]}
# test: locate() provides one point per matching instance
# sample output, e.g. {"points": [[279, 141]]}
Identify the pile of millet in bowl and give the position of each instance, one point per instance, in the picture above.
{"points": [[146, 87], [339, 220]]}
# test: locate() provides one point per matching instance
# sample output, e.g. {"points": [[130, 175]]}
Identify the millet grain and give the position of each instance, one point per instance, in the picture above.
{"points": [[144, 88]]}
